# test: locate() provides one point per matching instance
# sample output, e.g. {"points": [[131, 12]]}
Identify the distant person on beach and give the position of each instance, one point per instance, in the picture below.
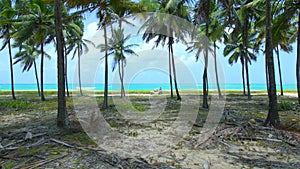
{"points": [[160, 91]]}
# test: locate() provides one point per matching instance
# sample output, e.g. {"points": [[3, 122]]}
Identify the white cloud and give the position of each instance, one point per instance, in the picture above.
{"points": [[90, 30]]}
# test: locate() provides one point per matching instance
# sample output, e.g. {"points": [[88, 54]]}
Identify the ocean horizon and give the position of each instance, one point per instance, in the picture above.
{"points": [[142, 86]]}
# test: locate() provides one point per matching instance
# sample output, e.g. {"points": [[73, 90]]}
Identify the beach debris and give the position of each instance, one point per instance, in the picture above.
{"points": [[28, 136]]}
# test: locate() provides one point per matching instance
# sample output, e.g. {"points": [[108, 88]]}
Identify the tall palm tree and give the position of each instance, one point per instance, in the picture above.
{"points": [[164, 22], [116, 46], [202, 16], [37, 24], [62, 115], [243, 15], [273, 116], [78, 45], [7, 14], [284, 29], [236, 51], [216, 31], [27, 56], [71, 30]]}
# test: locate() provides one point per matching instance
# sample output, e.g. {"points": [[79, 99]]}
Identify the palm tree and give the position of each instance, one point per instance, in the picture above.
{"points": [[284, 31], [62, 115], [236, 51], [39, 22], [116, 46], [202, 16], [216, 31], [173, 31], [71, 30], [6, 27], [79, 46], [27, 56], [273, 117]]}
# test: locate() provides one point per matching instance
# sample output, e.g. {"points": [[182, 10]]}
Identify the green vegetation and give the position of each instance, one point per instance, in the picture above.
{"points": [[245, 28]]}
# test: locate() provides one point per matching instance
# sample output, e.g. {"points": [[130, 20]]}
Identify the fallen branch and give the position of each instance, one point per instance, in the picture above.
{"points": [[261, 138], [39, 163], [62, 143], [20, 141], [230, 145]]}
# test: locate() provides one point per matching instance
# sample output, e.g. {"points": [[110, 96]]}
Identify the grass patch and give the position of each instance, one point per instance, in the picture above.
{"points": [[8, 165], [285, 105], [17, 104]]}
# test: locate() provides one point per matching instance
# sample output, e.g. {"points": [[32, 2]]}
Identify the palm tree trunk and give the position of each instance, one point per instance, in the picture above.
{"points": [[245, 42], [243, 78], [11, 71], [120, 76], [279, 70], [42, 72], [122, 82], [66, 73], [170, 73], [267, 76], [205, 81], [273, 116], [105, 102], [298, 60], [37, 78], [79, 75], [62, 115], [247, 77], [216, 70], [174, 73]]}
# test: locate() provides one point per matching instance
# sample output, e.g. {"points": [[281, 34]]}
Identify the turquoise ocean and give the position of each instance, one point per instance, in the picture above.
{"points": [[144, 86]]}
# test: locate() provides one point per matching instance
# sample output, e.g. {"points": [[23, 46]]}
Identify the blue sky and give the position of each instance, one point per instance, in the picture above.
{"points": [[185, 64]]}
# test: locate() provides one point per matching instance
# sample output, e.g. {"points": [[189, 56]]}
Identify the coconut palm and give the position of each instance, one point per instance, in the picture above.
{"points": [[62, 115], [117, 46], [273, 117], [37, 24], [236, 51], [216, 32], [165, 28], [78, 45], [202, 16], [285, 26], [27, 56], [7, 14]]}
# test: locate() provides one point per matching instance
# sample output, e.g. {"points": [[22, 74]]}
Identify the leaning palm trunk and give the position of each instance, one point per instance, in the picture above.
{"points": [[243, 78], [216, 71], [121, 73], [11, 71], [170, 73], [279, 71], [42, 72], [247, 77], [122, 80], [205, 81], [66, 74], [174, 73], [37, 78], [79, 75]]}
